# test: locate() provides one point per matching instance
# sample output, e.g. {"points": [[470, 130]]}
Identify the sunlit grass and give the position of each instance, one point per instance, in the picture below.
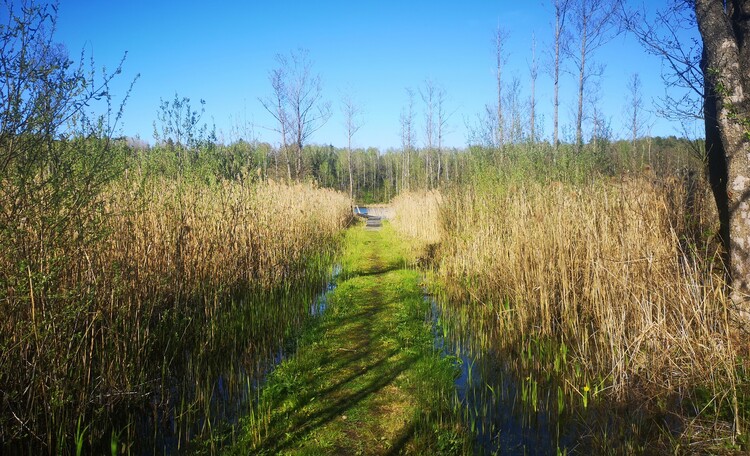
{"points": [[365, 378]]}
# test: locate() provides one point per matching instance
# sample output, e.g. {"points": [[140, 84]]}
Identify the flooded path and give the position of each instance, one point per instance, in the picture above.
{"points": [[367, 379]]}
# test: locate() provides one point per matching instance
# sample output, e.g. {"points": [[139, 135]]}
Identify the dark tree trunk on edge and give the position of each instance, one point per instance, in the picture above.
{"points": [[726, 69]]}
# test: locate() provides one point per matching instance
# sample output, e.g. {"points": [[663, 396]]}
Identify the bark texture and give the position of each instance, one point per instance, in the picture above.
{"points": [[725, 29]]}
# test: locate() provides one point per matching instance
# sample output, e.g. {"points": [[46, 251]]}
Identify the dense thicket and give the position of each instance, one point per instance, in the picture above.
{"points": [[378, 176]]}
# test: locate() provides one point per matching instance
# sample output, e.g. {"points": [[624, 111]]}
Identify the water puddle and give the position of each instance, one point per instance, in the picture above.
{"points": [[495, 403], [514, 409], [320, 303], [217, 387]]}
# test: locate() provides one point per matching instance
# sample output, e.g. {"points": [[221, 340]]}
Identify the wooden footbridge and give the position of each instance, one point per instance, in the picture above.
{"points": [[374, 215]]}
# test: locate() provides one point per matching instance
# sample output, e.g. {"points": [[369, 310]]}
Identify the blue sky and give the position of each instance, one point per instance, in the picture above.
{"points": [[222, 52]]}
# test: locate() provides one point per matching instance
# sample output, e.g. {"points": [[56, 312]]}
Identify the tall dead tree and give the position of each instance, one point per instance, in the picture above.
{"points": [[514, 130], [429, 98], [296, 103], [436, 120], [593, 22], [635, 108], [441, 125], [561, 8], [533, 73], [407, 138], [352, 123], [501, 35], [276, 105]]}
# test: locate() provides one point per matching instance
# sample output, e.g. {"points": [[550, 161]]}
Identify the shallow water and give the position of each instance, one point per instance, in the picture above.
{"points": [[508, 411], [213, 389]]}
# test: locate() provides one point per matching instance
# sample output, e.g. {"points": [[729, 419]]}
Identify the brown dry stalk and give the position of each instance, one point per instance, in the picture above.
{"points": [[619, 270], [417, 216], [80, 334]]}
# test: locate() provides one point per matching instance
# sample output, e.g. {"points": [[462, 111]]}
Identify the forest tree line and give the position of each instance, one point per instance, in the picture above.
{"points": [[378, 176]]}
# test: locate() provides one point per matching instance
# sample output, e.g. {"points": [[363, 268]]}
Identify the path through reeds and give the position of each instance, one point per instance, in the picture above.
{"points": [[366, 378]]}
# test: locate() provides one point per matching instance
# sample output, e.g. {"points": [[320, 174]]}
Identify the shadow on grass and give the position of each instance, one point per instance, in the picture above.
{"points": [[406, 435], [354, 369], [283, 438], [373, 271]]}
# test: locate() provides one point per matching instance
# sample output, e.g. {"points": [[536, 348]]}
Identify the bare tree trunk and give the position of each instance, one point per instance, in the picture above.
{"points": [[375, 169], [429, 95], [288, 164], [275, 105], [299, 146], [407, 139], [441, 124], [427, 177], [561, 11], [726, 69], [448, 167], [514, 121], [636, 107], [352, 123], [594, 24], [532, 100], [581, 82], [297, 103], [407, 169], [276, 163], [351, 175], [500, 37]]}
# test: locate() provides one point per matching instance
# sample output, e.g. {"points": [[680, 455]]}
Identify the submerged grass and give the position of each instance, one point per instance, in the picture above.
{"points": [[366, 378]]}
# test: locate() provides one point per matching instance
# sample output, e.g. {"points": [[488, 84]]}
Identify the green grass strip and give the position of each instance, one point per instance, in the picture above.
{"points": [[365, 378]]}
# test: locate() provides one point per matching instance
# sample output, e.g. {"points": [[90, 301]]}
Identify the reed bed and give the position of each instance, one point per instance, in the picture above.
{"points": [[622, 273], [196, 237], [610, 268], [417, 217], [95, 324]]}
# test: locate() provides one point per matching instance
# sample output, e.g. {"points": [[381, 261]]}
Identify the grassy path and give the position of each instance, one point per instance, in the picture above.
{"points": [[365, 378]]}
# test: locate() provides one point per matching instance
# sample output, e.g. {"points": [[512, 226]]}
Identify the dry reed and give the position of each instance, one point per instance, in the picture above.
{"points": [[120, 308], [604, 266], [614, 269], [417, 217]]}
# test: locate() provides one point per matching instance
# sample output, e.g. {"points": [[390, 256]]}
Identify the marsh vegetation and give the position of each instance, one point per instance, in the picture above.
{"points": [[560, 296], [585, 305]]}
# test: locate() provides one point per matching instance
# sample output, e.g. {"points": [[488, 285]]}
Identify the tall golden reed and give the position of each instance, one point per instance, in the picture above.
{"points": [[615, 269], [417, 216], [193, 237], [173, 257]]}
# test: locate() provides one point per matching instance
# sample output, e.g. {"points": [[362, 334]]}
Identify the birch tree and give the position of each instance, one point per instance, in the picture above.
{"points": [[593, 22], [352, 123], [296, 104], [725, 31]]}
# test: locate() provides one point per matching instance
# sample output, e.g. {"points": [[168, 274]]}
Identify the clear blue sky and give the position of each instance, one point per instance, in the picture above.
{"points": [[222, 52]]}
